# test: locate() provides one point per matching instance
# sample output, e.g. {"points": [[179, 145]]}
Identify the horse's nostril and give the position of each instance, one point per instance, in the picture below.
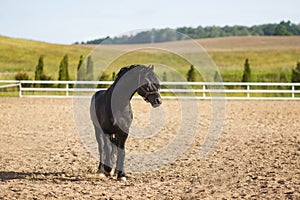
{"points": [[158, 101]]}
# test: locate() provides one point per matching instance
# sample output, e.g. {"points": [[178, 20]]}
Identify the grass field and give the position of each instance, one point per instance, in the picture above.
{"points": [[22, 55], [269, 56]]}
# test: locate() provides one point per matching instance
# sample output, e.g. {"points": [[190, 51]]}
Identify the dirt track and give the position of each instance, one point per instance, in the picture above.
{"points": [[256, 157]]}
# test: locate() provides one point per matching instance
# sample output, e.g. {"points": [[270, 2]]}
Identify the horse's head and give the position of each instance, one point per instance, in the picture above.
{"points": [[149, 87]]}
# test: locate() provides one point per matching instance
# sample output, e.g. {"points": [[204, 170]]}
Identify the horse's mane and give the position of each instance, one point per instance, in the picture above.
{"points": [[123, 70]]}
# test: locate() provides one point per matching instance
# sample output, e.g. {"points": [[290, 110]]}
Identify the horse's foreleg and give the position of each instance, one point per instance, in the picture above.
{"points": [[114, 149], [121, 139]]}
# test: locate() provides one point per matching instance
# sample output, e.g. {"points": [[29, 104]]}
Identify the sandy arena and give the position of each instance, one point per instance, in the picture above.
{"points": [[256, 157]]}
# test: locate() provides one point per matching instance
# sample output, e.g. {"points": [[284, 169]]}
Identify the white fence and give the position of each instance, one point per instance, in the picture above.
{"points": [[170, 90]]}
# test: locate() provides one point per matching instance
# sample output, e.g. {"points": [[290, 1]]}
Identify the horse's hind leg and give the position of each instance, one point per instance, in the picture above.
{"points": [[108, 151], [99, 138], [105, 149]]}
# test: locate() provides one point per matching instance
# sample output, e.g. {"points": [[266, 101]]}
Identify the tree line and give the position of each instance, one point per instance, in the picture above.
{"points": [[85, 72], [39, 74], [247, 77], [284, 28], [193, 76]]}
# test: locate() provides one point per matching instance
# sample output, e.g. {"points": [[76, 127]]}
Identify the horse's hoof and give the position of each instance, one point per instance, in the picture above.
{"points": [[102, 175], [121, 176], [122, 179]]}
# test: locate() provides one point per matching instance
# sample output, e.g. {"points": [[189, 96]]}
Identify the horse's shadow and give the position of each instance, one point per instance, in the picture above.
{"points": [[59, 176]]}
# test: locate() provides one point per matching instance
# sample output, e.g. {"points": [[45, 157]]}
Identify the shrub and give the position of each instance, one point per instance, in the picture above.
{"points": [[104, 77], [21, 76], [296, 74]]}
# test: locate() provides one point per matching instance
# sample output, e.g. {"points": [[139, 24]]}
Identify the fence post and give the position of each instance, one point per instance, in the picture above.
{"points": [[20, 89], [248, 91], [293, 91], [204, 93], [67, 89]]}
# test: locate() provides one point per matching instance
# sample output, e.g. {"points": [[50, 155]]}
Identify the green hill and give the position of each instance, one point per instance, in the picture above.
{"points": [[269, 56], [18, 54]]}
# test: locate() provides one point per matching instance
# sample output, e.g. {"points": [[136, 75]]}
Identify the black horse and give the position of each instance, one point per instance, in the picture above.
{"points": [[111, 113]]}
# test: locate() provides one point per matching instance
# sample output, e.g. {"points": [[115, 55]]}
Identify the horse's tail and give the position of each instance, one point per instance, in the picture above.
{"points": [[93, 114]]}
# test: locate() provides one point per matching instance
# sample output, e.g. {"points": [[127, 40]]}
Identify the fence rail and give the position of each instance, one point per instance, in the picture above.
{"points": [[170, 90]]}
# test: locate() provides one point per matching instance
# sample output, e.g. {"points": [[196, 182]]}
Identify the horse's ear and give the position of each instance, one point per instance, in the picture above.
{"points": [[152, 67]]}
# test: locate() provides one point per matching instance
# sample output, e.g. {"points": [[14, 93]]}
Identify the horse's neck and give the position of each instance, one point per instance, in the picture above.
{"points": [[123, 89], [122, 101]]}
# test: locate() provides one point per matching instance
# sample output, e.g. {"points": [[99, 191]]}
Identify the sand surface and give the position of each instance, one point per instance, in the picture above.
{"points": [[257, 155]]}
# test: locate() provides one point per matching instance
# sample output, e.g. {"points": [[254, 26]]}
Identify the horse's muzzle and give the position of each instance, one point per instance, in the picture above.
{"points": [[157, 102]]}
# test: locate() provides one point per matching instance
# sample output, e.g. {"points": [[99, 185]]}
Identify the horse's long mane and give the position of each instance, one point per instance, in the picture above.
{"points": [[123, 70], [142, 69]]}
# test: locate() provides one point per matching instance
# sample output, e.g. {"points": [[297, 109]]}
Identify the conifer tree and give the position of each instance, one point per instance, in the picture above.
{"points": [[164, 78], [39, 70], [90, 68], [191, 75], [63, 69], [247, 72], [80, 70], [217, 77]]}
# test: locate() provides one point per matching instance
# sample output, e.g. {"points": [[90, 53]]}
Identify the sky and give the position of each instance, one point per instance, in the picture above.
{"points": [[68, 21]]}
